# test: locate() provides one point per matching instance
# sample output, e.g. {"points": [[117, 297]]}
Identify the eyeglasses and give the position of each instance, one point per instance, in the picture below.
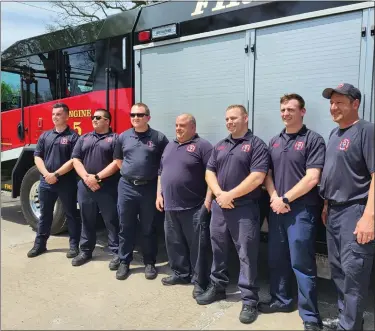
{"points": [[138, 115], [97, 117]]}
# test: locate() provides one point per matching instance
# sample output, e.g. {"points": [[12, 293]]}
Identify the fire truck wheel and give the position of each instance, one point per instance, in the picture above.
{"points": [[30, 204]]}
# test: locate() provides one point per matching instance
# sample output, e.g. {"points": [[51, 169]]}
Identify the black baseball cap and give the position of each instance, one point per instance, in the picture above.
{"points": [[345, 89]]}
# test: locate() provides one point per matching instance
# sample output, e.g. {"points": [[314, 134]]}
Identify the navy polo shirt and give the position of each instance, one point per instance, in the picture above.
{"points": [[291, 155], [55, 148], [95, 151], [140, 153], [234, 160], [182, 171], [349, 163]]}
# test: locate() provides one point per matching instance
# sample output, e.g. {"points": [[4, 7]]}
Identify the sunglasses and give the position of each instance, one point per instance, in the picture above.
{"points": [[141, 115], [97, 117]]}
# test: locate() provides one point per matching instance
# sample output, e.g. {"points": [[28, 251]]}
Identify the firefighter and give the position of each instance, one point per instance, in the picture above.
{"points": [[182, 193], [97, 189], [347, 186], [138, 152], [235, 171], [52, 157], [296, 161]]}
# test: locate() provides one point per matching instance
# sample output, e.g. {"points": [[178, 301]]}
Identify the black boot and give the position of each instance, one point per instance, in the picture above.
{"points": [[197, 291], [72, 252], [311, 326], [115, 262], [81, 259], [174, 280], [274, 307], [248, 314], [213, 293], [150, 271], [122, 271], [36, 250]]}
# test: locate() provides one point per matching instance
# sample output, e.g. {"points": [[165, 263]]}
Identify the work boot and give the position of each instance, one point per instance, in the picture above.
{"points": [[72, 252], [36, 250], [115, 262], [213, 293], [311, 326], [248, 314], [81, 259], [174, 280], [122, 271], [274, 307], [197, 291], [150, 271]]}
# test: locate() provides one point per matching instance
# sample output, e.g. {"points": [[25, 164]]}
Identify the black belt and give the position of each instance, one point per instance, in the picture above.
{"points": [[338, 203], [137, 182]]}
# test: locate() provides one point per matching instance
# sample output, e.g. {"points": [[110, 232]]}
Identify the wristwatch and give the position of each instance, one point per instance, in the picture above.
{"points": [[98, 178], [57, 175], [285, 200]]}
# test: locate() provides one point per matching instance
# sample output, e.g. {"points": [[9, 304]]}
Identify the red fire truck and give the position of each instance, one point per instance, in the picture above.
{"points": [[195, 57]]}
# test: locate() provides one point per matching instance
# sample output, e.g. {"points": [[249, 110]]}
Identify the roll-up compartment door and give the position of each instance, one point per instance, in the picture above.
{"points": [[304, 57], [201, 77]]}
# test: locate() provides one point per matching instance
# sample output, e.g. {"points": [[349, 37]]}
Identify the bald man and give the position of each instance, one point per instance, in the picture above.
{"points": [[183, 194]]}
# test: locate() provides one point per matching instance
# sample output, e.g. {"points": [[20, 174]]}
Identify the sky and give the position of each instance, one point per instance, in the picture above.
{"points": [[25, 19]]}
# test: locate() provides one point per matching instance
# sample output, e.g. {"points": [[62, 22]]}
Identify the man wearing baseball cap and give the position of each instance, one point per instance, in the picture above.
{"points": [[347, 185]]}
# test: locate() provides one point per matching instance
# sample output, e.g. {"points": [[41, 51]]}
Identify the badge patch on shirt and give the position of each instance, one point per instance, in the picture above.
{"points": [[150, 144], [109, 139], [190, 148], [64, 141], [344, 144], [298, 146], [220, 148], [245, 148], [276, 145]]}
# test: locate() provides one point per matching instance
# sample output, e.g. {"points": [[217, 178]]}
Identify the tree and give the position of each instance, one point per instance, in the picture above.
{"points": [[76, 12]]}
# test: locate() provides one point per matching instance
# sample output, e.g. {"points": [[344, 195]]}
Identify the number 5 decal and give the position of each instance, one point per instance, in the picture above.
{"points": [[77, 127]]}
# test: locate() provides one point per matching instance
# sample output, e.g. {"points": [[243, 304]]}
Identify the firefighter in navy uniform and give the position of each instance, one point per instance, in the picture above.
{"points": [[347, 185], [296, 161], [235, 172], [97, 189], [183, 194], [53, 159], [138, 153]]}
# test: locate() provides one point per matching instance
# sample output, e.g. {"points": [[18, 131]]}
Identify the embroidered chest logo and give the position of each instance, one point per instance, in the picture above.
{"points": [[245, 148], [298, 146], [276, 145], [344, 144], [190, 148], [64, 141], [221, 148], [109, 139], [150, 144]]}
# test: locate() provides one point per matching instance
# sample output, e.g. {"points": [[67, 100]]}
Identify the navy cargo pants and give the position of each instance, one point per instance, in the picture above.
{"points": [[350, 262], [66, 190], [291, 248], [186, 243], [90, 203], [242, 225], [134, 200]]}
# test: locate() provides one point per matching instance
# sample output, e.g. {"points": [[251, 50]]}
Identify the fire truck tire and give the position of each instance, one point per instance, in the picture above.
{"points": [[31, 207]]}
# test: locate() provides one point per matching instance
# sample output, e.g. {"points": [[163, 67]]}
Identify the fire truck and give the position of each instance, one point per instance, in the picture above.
{"points": [[194, 56]]}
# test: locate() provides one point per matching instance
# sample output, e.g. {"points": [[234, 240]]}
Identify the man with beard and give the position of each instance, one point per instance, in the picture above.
{"points": [[97, 189]]}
